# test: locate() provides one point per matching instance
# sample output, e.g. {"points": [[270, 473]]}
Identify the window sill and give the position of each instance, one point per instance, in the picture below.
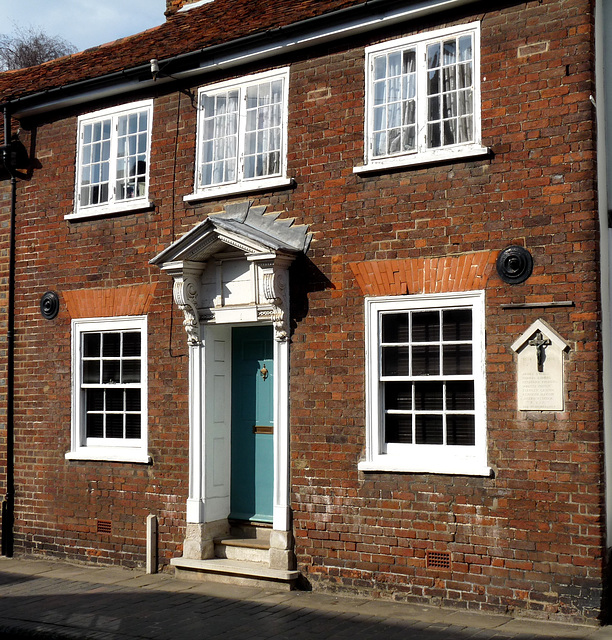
{"points": [[243, 187], [429, 157], [456, 467], [97, 212], [109, 454]]}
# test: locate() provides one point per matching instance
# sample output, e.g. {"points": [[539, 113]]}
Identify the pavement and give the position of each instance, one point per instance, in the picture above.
{"points": [[55, 600]]}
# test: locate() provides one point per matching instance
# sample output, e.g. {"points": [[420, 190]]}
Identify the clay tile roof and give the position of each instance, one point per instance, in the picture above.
{"points": [[219, 22]]}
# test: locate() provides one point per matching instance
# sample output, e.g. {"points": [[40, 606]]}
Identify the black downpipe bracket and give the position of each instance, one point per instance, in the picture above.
{"points": [[8, 500]]}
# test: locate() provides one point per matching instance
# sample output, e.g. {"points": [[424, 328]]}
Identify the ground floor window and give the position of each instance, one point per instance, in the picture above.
{"points": [[109, 399], [426, 383]]}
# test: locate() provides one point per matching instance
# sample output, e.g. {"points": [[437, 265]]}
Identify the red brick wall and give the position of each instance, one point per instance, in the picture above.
{"points": [[530, 538], [5, 199]]}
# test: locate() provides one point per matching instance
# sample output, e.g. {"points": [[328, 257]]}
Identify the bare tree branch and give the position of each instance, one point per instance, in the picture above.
{"points": [[29, 47]]}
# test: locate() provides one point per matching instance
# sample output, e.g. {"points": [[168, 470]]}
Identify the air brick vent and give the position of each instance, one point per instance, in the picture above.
{"points": [[439, 560], [104, 526]]}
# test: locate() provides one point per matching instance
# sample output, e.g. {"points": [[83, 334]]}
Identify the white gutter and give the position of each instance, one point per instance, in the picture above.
{"points": [[231, 54], [603, 84]]}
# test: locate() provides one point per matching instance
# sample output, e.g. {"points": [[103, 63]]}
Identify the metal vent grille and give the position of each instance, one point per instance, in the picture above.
{"points": [[439, 560], [104, 526]]}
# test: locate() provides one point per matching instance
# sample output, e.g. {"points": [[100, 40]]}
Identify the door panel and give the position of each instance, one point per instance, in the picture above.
{"points": [[252, 423]]}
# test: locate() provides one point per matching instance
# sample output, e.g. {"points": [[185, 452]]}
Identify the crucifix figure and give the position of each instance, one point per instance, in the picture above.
{"points": [[540, 343]]}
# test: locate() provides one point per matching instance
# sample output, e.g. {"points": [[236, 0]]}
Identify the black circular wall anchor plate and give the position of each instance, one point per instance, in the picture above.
{"points": [[514, 264], [49, 305]]}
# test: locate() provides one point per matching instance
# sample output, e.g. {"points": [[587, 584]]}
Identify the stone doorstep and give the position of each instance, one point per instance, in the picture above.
{"points": [[243, 549], [233, 572], [249, 543]]}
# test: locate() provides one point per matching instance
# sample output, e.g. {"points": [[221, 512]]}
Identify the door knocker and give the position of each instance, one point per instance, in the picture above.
{"points": [[264, 372]]}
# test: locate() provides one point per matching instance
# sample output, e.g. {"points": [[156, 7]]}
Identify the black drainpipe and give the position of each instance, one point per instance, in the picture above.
{"points": [[8, 501]]}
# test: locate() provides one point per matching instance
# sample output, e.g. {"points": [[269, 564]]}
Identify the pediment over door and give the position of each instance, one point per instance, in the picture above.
{"points": [[233, 267]]}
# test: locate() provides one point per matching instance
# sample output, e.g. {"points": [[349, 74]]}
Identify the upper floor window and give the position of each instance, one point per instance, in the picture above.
{"points": [[113, 160], [242, 135], [426, 385], [109, 404], [423, 98]]}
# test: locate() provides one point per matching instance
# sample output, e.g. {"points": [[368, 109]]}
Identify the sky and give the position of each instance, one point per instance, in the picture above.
{"points": [[83, 23]]}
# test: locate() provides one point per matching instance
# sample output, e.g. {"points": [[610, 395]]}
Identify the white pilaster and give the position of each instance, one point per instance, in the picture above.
{"points": [[195, 501], [281, 514]]}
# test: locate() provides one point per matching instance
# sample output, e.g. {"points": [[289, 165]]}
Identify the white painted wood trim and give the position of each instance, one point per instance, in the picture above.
{"points": [[281, 519], [195, 501]]}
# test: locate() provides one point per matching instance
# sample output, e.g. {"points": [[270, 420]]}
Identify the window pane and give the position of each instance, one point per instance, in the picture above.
{"points": [[450, 131], [457, 324], [91, 372], [429, 396], [433, 82], [91, 345], [380, 67], [426, 360], [457, 359], [131, 371], [380, 144], [132, 426], [131, 344], [111, 344], [449, 82], [460, 430], [409, 112], [465, 48], [409, 61], [396, 361], [464, 106], [429, 429], [114, 425], [460, 396], [94, 399], [466, 129], [398, 395], [450, 105], [433, 56], [465, 76], [114, 399], [425, 326], [450, 52], [94, 425], [111, 371], [398, 428], [409, 138], [132, 399], [433, 135], [395, 327], [380, 93]]}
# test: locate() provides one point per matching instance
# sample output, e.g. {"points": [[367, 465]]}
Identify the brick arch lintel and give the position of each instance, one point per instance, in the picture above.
{"points": [[133, 300], [467, 272]]}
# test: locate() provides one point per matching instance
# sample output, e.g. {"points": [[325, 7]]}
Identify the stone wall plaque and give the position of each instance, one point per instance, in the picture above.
{"points": [[540, 352]]}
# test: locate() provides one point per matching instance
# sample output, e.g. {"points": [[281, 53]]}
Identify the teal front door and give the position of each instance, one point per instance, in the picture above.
{"points": [[252, 477]]}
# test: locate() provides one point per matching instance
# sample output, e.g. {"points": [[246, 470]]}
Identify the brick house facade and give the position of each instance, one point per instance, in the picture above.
{"points": [[357, 217]]}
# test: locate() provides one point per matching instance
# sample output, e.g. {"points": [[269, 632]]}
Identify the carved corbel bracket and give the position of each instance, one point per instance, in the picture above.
{"points": [[276, 292], [186, 293]]}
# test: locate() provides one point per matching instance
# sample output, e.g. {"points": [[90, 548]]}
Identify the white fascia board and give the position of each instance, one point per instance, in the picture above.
{"points": [[216, 57]]}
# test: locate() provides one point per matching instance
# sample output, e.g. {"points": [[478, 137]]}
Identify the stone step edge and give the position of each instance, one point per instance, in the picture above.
{"points": [[234, 568], [248, 543]]}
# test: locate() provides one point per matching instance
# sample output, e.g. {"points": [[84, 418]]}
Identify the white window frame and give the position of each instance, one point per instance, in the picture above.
{"points": [[421, 154], [242, 184], [423, 458], [107, 449], [113, 204]]}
